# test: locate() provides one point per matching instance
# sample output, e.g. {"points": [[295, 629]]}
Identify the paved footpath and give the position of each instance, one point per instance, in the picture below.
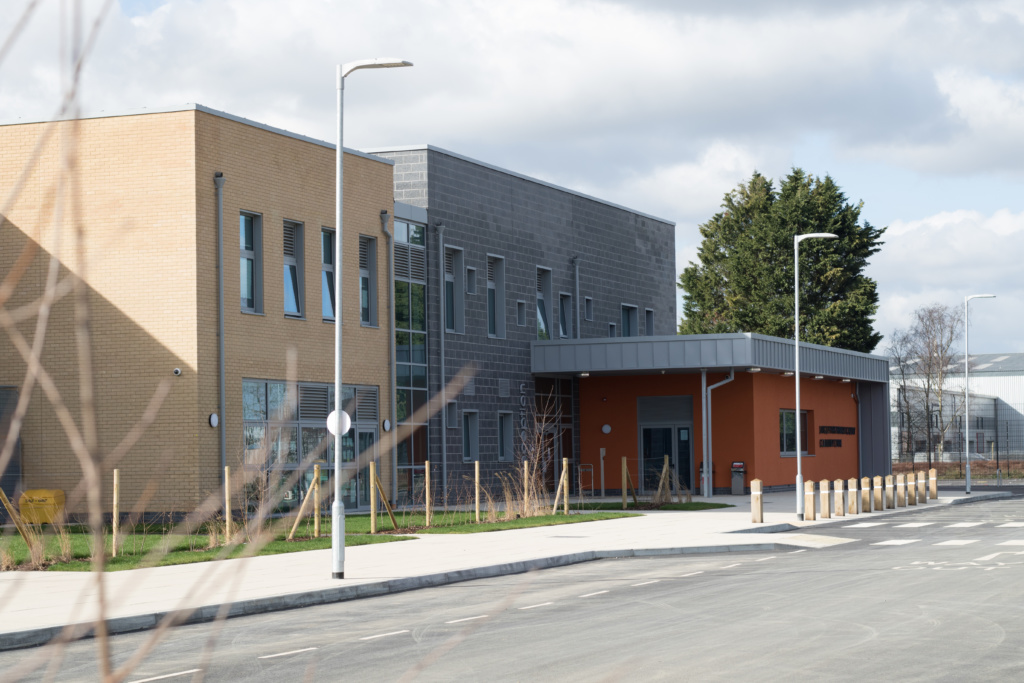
{"points": [[37, 606]]}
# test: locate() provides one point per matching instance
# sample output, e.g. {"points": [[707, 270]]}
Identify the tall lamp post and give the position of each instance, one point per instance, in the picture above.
{"points": [[338, 422], [797, 239], [967, 385]]}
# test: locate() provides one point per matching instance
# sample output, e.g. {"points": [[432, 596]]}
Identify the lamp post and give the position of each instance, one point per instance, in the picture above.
{"points": [[797, 239], [340, 424], [967, 386]]}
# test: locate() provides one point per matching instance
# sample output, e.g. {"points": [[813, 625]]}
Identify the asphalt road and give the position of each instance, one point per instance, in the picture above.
{"points": [[934, 594]]}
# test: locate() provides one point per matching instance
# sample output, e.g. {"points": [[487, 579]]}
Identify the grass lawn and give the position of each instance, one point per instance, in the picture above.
{"points": [[687, 507], [458, 522]]}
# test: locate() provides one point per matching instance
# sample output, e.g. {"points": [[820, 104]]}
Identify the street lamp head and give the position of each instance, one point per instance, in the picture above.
{"points": [[815, 235], [377, 63], [979, 296]]}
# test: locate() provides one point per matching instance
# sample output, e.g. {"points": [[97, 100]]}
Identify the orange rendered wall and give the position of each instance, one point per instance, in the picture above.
{"points": [[745, 424]]}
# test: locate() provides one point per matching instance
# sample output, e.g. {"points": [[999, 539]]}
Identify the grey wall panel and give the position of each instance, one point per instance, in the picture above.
{"points": [[652, 409], [874, 429]]}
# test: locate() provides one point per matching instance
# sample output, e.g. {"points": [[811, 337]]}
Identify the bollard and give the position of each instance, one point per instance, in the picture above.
{"points": [[602, 472], [922, 489], [565, 485], [426, 492], [756, 502], [809, 503], [826, 500], [476, 478], [933, 484], [115, 518], [227, 504], [624, 475], [865, 495], [316, 501], [840, 505], [901, 493], [890, 501], [526, 487], [911, 490], [373, 498], [877, 500]]}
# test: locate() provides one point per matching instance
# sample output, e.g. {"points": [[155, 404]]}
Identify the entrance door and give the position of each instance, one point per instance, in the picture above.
{"points": [[551, 458], [684, 457], [355, 487], [658, 441]]}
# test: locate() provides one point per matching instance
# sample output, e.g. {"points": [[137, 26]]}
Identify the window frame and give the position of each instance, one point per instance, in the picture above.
{"points": [[368, 275], [544, 301], [470, 436], [520, 313], [612, 331], [649, 322], [256, 256], [496, 284], [297, 261], [804, 432], [470, 280], [455, 277], [565, 316], [588, 309], [506, 436], [329, 270], [630, 316]]}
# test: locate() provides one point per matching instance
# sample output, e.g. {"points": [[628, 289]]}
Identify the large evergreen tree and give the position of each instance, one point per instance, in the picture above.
{"points": [[744, 279]]}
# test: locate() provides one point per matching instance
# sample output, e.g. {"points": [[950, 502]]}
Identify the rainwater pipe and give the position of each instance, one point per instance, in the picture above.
{"points": [[444, 378], [576, 280], [218, 181], [391, 347], [710, 450], [705, 471]]}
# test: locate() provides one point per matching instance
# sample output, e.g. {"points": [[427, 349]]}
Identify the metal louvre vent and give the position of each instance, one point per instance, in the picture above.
{"points": [[313, 404], [289, 240], [470, 388], [364, 253], [540, 280], [449, 262], [503, 388], [418, 265], [402, 254], [490, 269], [366, 404]]}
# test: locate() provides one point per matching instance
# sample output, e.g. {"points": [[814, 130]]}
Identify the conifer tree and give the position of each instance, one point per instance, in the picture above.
{"points": [[743, 281]]}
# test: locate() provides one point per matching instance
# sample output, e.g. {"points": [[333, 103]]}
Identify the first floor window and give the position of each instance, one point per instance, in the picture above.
{"points": [[249, 244], [367, 280], [470, 437], [327, 274], [293, 269], [505, 437], [787, 432]]}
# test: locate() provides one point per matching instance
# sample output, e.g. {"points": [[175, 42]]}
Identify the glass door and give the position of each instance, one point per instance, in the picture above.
{"points": [[684, 457], [656, 444]]}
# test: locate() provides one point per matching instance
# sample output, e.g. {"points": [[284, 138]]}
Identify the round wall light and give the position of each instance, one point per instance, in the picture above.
{"points": [[214, 420], [607, 429]]}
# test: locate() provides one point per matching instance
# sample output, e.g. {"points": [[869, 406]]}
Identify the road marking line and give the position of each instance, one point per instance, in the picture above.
{"points": [[863, 525], [383, 635], [458, 621], [645, 583], [765, 558], [1012, 524], [691, 574], [730, 566], [963, 525], [165, 676], [543, 604], [590, 595], [802, 550], [995, 555], [290, 652], [913, 525], [898, 541], [1018, 542], [956, 542]]}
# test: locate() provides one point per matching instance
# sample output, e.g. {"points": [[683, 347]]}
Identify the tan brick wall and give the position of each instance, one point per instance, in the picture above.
{"points": [[147, 206]]}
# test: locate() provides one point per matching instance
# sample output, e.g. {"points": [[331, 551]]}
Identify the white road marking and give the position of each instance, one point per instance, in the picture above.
{"points": [[543, 604], [863, 525], [290, 652], [898, 541], [1018, 542], [590, 595], [802, 550], [165, 676], [963, 525], [645, 583], [1012, 524], [955, 542], [730, 566], [765, 558], [459, 621], [995, 555], [384, 635], [913, 525], [691, 574]]}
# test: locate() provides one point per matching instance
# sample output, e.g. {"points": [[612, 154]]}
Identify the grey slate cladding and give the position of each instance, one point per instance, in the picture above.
{"points": [[625, 258]]}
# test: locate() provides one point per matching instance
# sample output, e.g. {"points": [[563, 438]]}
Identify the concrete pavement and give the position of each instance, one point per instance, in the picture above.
{"points": [[35, 607]]}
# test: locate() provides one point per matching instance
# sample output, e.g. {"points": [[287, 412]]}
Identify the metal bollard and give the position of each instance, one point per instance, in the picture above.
{"points": [[890, 499], [809, 502], [933, 484], [826, 500], [756, 501], [851, 497], [922, 488], [865, 495]]}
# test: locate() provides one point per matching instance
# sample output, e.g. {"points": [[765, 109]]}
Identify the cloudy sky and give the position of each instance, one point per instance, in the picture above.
{"points": [[915, 108]]}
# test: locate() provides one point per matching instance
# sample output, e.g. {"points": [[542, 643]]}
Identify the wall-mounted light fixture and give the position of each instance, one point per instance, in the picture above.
{"points": [[607, 429], [787, 374], [584, 374], [845, 380], [819, 377], [754, 370]]}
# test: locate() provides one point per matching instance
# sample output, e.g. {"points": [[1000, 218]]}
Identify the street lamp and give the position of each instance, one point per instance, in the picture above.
{"points": [[342, 425], [967, 385], [797, 239]]}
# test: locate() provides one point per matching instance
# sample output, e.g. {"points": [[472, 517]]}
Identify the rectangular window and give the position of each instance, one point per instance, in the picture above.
{"points": [[565, 316], [470, 436], [250, 238], [588, 309], [611, 329], [470, 280], [496, 297], [505, 437], [327, 274], [452, 415], [521, 313], [293, 281], [787, 433], [454, 291], [629, 321], [543, 302], [367, 281], [649, 322]]}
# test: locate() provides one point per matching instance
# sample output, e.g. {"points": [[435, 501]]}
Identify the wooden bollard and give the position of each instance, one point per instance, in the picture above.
{"points": [[756, 501], [316, 501], [840, 503], [227, 504], [476, 487], [933, 484], [826, 500], [373, 497], [901, 493], [922, 488], [877, 499], [625, 475], [526, 487], [809, 502], [851, 496], [116, 516], [911, 490], [565, 485], [865, 494], [426, 491], [890, 499]]}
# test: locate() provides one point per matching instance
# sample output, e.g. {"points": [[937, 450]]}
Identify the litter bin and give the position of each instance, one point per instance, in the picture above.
{"points": [[41, 506], [739, 472]]}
